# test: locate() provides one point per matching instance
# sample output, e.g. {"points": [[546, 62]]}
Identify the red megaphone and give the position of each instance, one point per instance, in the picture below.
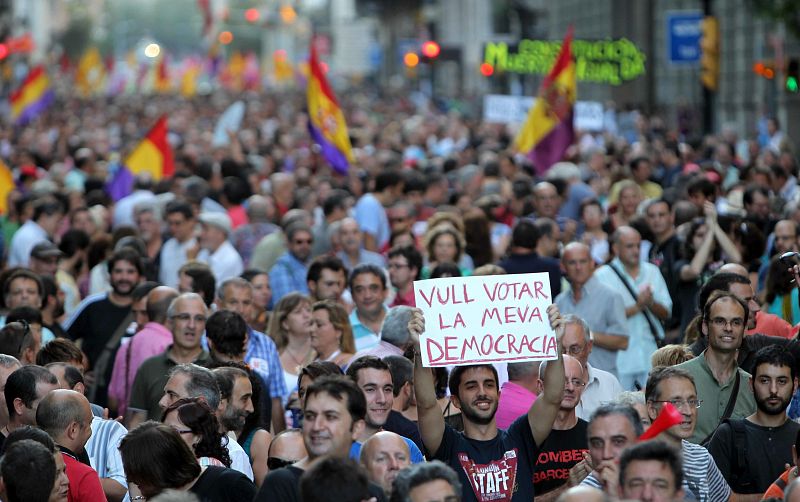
{"points": [[668, 417]]}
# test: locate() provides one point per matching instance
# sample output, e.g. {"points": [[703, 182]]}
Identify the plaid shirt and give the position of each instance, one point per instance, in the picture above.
{"points": [[262, 356], [288, 275]]}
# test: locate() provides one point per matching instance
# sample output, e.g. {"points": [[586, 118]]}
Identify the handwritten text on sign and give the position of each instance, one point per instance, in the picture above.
{"points": [[499, 318]]}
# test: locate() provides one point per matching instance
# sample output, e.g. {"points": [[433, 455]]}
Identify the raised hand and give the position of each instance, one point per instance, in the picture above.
{"points": [[416, 326], [556, 321]]}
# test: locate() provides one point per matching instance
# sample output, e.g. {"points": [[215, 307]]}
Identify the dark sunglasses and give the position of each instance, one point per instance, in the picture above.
{"points": [[278, 463]]}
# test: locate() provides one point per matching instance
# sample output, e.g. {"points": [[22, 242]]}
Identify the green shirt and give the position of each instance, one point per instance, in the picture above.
{"points": [[151, 377], [715, 396]]}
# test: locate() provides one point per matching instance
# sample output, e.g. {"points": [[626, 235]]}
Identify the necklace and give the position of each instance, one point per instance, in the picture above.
{"points": [[299, 364]]}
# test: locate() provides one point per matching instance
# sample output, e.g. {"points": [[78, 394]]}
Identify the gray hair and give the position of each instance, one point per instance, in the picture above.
{"points": [[574, 319], [630, 398], [202, 383], [518, 371], [236, 282], [175, 496], [395, 326], [7, 361], [173, 306], [624, 410], [419, 474], [147, 206]]}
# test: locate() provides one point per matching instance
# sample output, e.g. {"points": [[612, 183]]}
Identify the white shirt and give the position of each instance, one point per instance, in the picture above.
{"points": [[173, 256], [603, 387], [239, 459], [225, 262], [29, 235], [123, 209]]}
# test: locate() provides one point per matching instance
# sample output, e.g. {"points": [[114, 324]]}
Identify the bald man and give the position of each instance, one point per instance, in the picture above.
{"points": [[567, 442], [66, 416], [582, 494], [601, 306], [383, 455], [647, 303], [151, 340]]}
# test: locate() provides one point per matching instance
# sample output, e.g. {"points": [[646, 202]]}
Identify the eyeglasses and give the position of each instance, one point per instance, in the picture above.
{"points": [[278, 463], [187, 317], [575, 382], [576, 349], [302, 241], [721, 322], [680, 403]]}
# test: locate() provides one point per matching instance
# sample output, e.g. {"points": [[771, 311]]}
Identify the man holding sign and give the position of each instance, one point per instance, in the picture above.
{"points": [[492, 464]]}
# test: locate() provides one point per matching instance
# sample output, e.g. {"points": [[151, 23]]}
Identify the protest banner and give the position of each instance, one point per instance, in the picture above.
{"points": [[485, 319]]}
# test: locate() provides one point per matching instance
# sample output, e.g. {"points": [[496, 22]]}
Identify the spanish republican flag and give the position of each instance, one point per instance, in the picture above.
{"points": [[325, 119], [153, 155], [548, 130], [91, 73], [32, 98], [6, 186]]}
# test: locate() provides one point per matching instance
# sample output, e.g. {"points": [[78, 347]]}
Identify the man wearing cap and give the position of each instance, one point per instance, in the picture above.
{"points": [[44, 258], [217, 250]]}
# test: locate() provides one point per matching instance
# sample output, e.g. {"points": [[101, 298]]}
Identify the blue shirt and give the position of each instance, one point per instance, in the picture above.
{"points": [[288, 275], [415, 454], [364, 337], [262, 356], [372, 219]]}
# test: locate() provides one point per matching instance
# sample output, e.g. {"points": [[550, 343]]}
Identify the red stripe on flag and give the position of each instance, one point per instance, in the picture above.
{"points": [[563, 60], [158, 136], [316, 72], [35, 73]]}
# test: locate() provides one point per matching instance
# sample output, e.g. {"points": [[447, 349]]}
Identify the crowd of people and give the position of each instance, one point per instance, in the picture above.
{"points": [[247, 330]]}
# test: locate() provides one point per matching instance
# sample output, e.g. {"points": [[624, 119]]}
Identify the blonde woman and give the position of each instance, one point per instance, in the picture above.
{"points": [[290, 327], [333, 337]]}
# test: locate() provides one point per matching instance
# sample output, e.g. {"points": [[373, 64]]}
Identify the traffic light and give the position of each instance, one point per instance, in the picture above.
{"points": [[252, 15], [430, 51], [410, 59], [709, 59], [793, 75], [3, 51]]}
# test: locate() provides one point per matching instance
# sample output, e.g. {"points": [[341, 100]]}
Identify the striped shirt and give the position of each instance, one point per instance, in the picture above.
{"points": [[702, 480], [103, 449]]}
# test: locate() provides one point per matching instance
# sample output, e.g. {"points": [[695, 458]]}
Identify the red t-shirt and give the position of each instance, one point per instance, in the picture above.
{"points": [[84, 483]]}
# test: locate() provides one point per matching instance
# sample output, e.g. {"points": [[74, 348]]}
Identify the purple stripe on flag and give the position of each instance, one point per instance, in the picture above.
{"points": [[121, 185], [552, 147], [333, 155], [35, 108]]}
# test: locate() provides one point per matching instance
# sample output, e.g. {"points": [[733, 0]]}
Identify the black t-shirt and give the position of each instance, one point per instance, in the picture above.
{"points": [[283, 485], [402, 426], [498, 470], [218, 484], [763, 455], [557, 454], [664, 256], [96, 323]]}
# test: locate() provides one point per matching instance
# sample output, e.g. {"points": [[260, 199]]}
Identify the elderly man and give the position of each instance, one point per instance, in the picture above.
{"points": [[599, 305], [186, 320], [353, 252], [384, 455], [217, 250], [647, 304]]}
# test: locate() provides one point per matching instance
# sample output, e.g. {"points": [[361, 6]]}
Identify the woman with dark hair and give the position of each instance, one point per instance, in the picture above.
{"points": [[702, 256], [478, 237], [156, 458], [197, 425], [751, 243], [444, 244], [445, 269], [333, 338], [780, 293]]}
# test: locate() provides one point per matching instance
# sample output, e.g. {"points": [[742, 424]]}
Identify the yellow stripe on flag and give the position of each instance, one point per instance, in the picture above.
{"points": [[6, 186], [146, 158], [30, 94], [540, 121]]}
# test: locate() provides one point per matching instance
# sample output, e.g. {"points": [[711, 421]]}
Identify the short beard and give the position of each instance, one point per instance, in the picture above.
{"points": [[476, 418], [762, 405]]}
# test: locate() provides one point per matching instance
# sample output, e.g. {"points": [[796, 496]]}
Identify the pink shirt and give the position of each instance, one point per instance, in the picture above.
{"points": [[151, 341], [515, 401]]}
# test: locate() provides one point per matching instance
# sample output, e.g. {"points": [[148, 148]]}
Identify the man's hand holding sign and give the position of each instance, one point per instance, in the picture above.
{"points": [[494, 465]]}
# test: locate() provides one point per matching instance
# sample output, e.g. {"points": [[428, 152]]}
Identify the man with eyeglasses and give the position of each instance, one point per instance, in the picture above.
{"points": [[647, 303], [186, 319], [405, 265], [289, 272], [601, 386], [716, 371], [566, 444], [751, 453], [701, 477]]}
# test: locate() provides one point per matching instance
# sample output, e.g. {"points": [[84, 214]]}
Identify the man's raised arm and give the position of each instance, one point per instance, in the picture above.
{"points": [[431, 421], [543, 411]]}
